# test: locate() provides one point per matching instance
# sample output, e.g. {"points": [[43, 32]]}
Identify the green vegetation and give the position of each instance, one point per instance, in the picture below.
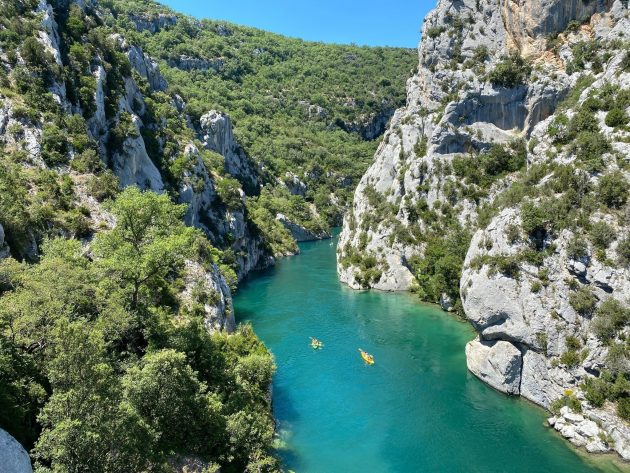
{"points": [[512, 71], [482, 170], [439, 270], [568, 400], [611, 317], [296, 106], [612, 190], [583, 301], [101, 367], [616, 118]]}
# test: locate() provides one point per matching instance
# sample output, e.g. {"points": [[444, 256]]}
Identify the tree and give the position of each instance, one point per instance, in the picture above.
{"points": [[148, 242], [612, 189], [58, 287], [165, 393], [512, 71], [85, 429]]}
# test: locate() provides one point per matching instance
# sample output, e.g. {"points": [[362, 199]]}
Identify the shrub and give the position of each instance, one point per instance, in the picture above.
{"points": [[104, 186], [574, 404], [570, 358], [123, 129], [583, 120], [512, 233], [512, 71], [435, 31], [617, 359], [583, 301], [616, 117], [230, 193], [541, 339], [603, 329], [602, 234], [534, 220], [623, 408], [568, 400], [589, 147], [623, 251], [614, 311], [573, 343], [595, 391], [54, 146], [577, 248], [420, 148], [480, 54], [498, 159], [612, 189], [536, 287]]}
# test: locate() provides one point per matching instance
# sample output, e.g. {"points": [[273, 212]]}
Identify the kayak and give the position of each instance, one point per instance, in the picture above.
{"points": [[369, 359], [316, 344]]}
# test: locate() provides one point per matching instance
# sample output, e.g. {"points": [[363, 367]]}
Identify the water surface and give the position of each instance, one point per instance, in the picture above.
{"points": [[416, 410]]}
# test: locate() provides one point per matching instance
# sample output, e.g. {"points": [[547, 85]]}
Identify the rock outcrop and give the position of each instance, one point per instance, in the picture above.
{"points": [[496, 363], [189, 63], [471, 97], [207, 289], [369, 127], [146, 67], [216, 135], [153, 23], [299, 232], [13, 457]]}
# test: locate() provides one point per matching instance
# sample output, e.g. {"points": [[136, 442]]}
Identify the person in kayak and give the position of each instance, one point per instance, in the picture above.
{"points": [[369, 359]]}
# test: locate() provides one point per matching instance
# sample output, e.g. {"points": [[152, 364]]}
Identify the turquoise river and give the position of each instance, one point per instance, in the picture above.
{"points": [[416, 410]]}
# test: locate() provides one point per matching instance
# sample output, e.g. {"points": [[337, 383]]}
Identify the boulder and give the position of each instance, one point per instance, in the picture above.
{"points": [[13, 457], [495, 363]]}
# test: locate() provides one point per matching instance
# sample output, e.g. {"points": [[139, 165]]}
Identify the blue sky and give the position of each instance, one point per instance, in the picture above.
{"points": [[364, 22]]}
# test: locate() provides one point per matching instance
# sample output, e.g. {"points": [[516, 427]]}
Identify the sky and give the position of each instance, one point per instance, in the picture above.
{"points": [[364, 22]]}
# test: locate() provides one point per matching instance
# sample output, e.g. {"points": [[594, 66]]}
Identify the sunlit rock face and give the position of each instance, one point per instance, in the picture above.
{"points": [[454, 111]]}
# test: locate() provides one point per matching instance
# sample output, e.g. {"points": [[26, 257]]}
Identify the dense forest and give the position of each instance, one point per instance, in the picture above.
{"points": [[312, 110]]}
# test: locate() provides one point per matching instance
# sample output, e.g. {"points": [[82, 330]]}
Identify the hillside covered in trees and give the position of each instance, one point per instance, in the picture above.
{"points": [[308, 114]]}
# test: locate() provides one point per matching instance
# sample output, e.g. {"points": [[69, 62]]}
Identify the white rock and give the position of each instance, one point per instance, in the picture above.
{"points": [[496, 363], [13, 457]]}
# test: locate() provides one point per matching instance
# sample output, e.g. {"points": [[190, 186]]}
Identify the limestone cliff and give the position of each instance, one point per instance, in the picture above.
{"points": [[122, 129], [509, 119]]}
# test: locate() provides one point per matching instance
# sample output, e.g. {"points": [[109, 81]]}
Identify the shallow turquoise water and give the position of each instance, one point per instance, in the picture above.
{"points": [[416, 410]]}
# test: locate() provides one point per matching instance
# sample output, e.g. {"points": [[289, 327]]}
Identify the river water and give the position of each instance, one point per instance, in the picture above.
{"points": [[417, 409]]}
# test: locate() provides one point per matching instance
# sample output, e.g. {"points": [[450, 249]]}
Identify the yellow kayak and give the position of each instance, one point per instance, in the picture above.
{"points": [[369, 359], [316, 344]]}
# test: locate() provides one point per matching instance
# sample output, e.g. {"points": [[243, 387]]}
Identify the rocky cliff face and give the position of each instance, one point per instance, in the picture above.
{"points": [[216, 134], [504, 89], [119, 121]]}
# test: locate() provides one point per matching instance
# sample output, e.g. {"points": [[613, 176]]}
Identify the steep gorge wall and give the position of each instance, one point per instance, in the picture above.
{"points": [[418, 191], [130, 160]]}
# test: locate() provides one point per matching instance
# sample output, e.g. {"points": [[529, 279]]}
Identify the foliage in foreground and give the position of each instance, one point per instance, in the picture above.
{"points": [[101, 371]]}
